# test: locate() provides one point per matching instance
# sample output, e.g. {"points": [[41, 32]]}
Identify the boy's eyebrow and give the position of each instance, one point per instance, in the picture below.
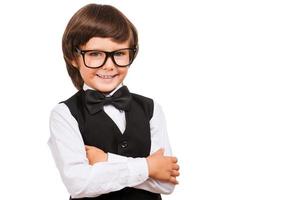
{"points": [[92, 50], [105, 50]]}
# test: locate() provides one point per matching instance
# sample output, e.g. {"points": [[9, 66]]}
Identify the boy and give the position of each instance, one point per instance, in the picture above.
{"points": [[108, 143]]}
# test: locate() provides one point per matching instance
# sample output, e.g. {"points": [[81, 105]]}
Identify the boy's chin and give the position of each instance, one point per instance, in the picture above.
{"points": [[106, 89]]}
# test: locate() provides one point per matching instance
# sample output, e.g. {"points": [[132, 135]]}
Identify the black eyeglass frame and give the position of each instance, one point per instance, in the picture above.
{"points": [[107, 55]]}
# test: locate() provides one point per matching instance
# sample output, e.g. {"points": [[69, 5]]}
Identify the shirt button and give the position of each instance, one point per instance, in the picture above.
{"points": [[124, 144]]}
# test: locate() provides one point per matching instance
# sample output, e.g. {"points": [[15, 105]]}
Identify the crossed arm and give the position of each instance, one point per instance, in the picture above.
{"points": [[160, 167]]}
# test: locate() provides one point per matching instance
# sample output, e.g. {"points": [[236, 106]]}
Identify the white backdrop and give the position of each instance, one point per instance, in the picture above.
{"points": [[225, 72]]}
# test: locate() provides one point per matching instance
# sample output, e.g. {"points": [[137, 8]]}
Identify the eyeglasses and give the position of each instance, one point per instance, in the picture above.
{"points": [[96, 59]]}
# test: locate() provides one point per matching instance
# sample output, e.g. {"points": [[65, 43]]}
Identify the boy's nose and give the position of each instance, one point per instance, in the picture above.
{"points": [[109, 64]]}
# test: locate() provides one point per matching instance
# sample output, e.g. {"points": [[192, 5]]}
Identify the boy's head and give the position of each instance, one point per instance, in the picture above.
{"points": [[99, 44]]}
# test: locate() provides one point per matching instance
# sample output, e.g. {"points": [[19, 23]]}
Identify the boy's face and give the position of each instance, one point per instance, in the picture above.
{"points": [[109, 76]]}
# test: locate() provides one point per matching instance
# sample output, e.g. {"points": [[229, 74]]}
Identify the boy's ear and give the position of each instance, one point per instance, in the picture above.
{"points": [[74, 63]]}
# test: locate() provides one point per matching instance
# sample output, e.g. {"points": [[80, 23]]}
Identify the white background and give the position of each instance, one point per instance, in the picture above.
{"points": [[225, 72]]}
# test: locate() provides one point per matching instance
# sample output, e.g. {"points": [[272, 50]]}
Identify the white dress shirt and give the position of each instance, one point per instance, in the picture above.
{"points": [[84, 180]]}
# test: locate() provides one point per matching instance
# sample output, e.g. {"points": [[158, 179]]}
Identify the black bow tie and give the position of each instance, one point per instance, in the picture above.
{"points": [[96, 100]]}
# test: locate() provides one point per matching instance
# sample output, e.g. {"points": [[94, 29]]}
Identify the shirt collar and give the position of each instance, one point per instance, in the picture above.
{"points": [[87, 87]]}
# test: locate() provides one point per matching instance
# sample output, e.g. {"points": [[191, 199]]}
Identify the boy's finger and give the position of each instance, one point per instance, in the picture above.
{"points": [[174, 159], [175, 173], [175, 167], [173, 180]]}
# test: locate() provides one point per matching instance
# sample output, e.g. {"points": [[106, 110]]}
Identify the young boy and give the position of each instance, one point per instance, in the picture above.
{"points": [[108, 143]]}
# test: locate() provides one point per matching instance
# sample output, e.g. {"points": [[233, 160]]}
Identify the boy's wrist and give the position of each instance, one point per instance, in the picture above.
{"points": [[149, 168]]}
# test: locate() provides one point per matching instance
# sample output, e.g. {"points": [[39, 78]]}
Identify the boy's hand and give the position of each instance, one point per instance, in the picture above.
{"points": [[95, 154], [164, 168]]}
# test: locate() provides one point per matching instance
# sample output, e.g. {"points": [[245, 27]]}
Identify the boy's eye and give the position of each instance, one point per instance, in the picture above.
{"points": [[120, 53], [95, 54]]}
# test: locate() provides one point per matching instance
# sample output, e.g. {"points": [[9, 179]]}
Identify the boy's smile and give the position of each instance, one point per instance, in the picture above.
{"points": [[106, 78]]}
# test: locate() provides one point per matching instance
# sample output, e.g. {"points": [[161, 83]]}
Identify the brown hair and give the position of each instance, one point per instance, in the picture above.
{"points": [[94, 20]]}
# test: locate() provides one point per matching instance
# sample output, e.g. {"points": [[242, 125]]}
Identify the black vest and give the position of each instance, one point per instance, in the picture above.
{"points": [[99, 130]]}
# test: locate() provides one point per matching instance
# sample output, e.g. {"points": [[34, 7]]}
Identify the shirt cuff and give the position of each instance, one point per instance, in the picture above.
{"points": [[138, 168]]}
